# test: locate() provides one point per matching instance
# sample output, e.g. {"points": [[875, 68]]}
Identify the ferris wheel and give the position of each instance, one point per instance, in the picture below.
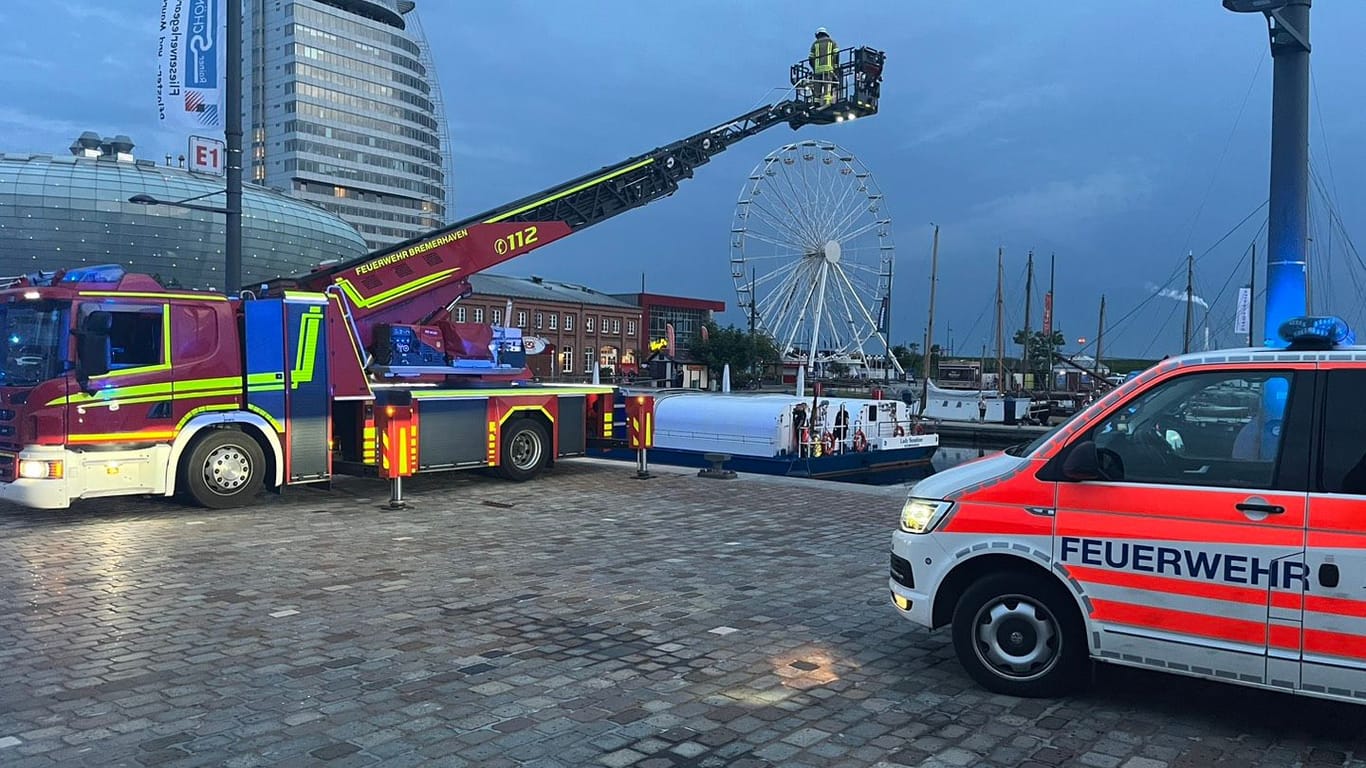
{"points": [[811, 254]]}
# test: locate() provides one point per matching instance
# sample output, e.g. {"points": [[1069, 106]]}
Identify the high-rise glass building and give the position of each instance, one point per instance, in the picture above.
{"points": [[343, 109]]}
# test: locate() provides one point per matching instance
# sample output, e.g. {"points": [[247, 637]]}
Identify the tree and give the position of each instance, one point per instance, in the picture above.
{"points": [[744, 351], [910, 358], [1041, 348]]}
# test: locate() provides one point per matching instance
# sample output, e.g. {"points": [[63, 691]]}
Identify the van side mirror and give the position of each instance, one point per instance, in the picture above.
{"points": [[1082, 463], [92, 347]]}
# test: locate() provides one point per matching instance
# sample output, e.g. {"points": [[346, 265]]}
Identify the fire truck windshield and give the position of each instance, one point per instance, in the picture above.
{"points": [[33, 341]]}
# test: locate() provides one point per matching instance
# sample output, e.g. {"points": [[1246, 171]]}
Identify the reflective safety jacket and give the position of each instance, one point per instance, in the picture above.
{"points": [[823, 55]]}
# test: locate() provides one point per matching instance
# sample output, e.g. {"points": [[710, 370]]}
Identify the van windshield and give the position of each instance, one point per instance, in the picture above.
{"points": [[1025, 449], [33, 342]]}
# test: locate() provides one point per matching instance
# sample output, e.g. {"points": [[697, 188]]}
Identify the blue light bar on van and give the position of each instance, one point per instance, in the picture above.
{"points": [[1324, 332]]}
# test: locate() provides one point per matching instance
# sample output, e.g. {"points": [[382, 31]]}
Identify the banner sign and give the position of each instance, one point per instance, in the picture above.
{"points": [[191, 48], [1242, 322], [1048, 314]]}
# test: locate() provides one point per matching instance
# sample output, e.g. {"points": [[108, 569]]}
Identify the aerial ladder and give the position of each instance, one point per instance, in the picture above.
{"points": [[111, 384], [390, 296]]}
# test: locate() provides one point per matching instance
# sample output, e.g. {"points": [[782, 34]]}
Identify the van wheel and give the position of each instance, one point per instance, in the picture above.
{"points": [[525, 450], [225, 469], [1020, 634]]}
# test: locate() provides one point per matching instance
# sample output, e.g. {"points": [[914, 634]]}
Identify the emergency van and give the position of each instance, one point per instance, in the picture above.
{"points": [[1207, 517]]}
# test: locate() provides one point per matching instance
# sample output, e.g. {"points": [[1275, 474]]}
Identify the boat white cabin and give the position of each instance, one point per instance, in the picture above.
{"points": [[965, 405], [762, 424]]}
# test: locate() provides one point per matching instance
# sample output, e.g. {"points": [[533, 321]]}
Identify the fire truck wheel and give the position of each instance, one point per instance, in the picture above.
{"points": [[1020, 634], [525, 450], [225, 469]]}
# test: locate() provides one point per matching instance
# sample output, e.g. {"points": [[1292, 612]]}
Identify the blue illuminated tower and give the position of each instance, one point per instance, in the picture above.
{"points": [[1287, 226]]}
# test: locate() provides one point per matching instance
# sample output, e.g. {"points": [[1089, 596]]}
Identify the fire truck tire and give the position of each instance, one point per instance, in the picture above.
{"points": [[1020, 634], [525, 450], [226, 468]]}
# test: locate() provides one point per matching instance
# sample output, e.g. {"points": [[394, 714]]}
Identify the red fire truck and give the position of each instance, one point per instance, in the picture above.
{"points": [[111, 384]]}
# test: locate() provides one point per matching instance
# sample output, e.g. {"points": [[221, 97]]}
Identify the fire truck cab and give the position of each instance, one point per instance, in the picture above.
{"points": [[1206, 518]]}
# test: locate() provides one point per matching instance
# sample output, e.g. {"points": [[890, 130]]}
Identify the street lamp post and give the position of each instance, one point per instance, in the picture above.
{"points": [[232, 135], [233, 256], [145, 199], [1287, 231]]}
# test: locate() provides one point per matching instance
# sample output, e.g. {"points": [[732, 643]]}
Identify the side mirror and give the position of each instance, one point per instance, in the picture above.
{"points": [[1082, 463]]}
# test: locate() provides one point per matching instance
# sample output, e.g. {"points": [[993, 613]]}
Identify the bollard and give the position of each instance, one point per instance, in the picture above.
{"points": [[396, 433], [640, 412]]}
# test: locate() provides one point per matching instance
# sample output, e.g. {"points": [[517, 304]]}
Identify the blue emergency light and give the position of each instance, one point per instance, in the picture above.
{"points": [[1322, 332], [104, 273]]}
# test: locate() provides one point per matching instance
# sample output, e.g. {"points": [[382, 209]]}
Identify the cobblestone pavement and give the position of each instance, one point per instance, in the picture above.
{"points": [[583, 619]]}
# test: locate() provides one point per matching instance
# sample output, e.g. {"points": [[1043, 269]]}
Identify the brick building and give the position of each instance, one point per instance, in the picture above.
{"points": [[579, 324]]}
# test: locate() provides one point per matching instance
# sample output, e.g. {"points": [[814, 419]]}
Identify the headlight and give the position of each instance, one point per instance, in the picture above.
{"points": [[921, 515], [37, 469]]}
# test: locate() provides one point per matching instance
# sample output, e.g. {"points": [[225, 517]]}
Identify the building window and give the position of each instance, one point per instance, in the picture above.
{"points": [[630, 327], [497, 317], [459, 314], [607, 358], [478, 314], [587, 323], [687, 324], [554, 320], [568, 323], [588, 361], [521, 318], [566, 359], [540, 320], [616, 326]]}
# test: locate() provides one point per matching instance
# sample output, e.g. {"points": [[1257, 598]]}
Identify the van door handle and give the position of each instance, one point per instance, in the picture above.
{"points": [[1269, 509]]}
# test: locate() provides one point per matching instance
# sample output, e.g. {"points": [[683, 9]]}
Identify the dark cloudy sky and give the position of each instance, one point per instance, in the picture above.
{"points": [[1112, 134]]}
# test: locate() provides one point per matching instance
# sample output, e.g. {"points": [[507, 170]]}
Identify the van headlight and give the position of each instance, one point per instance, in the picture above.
{"points": [[922, 515]]}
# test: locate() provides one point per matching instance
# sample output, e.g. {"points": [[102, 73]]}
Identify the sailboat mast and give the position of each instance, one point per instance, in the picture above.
{"points": [[1029, 299], [1048, 323], [1252, 295], [929, 328], [1100, 333], [1190, 302], [1000, 320], [887, 320]]}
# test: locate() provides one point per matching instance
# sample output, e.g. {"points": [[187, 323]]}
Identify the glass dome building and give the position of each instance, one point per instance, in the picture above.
{"points": [[66, 211]]}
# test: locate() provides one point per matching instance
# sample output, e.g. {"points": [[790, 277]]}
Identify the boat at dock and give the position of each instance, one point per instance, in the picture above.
{"points": [[943, 404], [787, 435]]}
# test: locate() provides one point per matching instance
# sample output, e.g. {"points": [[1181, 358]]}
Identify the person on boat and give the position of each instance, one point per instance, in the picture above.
{"points": [[981, 408], [824, 59], [841, 426], [799, 426]]}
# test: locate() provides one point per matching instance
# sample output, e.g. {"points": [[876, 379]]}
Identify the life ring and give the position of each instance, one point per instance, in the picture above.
{"points": [[860, 441], [900, 431], [827, 444], [919, 428]]}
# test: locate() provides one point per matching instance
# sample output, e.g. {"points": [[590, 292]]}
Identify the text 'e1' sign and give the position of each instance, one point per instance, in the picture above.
{"points": [[207, 155]]}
